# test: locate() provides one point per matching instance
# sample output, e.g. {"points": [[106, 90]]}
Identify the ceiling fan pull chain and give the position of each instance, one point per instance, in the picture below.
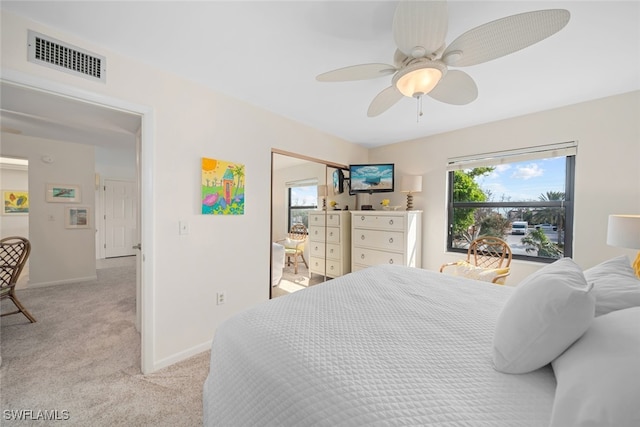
{"points": [[419, 108]]}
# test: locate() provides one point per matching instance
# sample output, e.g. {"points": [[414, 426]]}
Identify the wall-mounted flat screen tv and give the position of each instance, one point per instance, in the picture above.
{"points": [[338, 181], [371, 178]]}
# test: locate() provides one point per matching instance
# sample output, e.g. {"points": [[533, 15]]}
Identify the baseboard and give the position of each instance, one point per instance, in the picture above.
{"points": [[32, 285], [179, 357]]}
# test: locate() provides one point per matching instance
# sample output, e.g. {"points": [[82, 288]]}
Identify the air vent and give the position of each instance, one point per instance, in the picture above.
{"points": [[52, 53]]}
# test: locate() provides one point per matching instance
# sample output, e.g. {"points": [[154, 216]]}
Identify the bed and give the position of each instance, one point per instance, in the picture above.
{"points": [[388, 345]]}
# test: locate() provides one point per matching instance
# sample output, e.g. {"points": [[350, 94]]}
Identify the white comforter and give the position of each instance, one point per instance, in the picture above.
{"points": [[383, 346]]}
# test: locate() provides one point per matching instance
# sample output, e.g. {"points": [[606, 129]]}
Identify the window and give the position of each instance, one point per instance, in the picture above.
{"points": [[302, 199], [524, 197]]}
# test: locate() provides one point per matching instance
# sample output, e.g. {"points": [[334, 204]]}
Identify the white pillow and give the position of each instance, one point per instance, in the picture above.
{"points": [[546, 313], [615, 285], [599, 376]]}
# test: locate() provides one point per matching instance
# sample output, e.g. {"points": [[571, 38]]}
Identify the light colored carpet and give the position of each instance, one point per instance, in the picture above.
{"points": [[292, 282], [83, 357]]}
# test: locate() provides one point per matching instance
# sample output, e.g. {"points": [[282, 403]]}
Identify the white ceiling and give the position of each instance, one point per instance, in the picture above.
{"points": [[268, 53]]}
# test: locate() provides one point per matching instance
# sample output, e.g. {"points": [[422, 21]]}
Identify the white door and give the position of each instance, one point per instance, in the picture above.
{"points": [[120, 198]]}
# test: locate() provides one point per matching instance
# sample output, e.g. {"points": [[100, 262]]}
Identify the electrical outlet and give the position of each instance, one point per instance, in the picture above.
{"points": [[222, 298]]}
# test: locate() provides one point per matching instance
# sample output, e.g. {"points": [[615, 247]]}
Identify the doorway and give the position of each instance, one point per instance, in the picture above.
{"points": [[95, 109]]}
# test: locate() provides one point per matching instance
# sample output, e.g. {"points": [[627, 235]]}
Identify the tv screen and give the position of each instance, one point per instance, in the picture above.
{"points": [[338, 181], [371, 178]]}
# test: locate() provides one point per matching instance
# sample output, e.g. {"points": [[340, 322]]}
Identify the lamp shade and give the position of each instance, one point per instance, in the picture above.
{"points": [[322, 190], [411, 184], [624, 231]]}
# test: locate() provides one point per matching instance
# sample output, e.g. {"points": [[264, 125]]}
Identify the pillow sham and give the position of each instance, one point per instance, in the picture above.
{"points": [[547, 312], [470, 271], [615, 285], [598, 376]]}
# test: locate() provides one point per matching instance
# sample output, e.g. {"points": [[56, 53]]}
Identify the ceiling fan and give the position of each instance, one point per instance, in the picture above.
{"points": [[422, 59]]}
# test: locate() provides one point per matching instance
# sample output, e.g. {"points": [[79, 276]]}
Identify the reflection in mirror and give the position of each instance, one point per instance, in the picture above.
{"points": [[300, 187]]}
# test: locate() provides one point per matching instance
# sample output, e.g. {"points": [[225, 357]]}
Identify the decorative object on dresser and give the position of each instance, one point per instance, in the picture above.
{"points": [[388, 237], [410, 184], [330, 243], [624, 231], [322, 194]]}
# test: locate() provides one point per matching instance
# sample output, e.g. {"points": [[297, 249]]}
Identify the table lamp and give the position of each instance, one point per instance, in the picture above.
{"points": [[410, 184], [624, 231], [322, 193]]}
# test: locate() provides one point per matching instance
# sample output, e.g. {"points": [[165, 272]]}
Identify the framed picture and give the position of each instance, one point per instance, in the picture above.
{"points": [[61, 193], [77, 217], [16, 202]]}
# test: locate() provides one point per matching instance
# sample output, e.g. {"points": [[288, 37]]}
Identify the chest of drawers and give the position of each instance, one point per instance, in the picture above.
{"points": [[386, 237], [330, 243]]}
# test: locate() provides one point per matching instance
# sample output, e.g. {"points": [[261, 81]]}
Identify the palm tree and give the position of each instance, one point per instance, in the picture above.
{"points": [[238, 172], [551, 215], [540, 243]]}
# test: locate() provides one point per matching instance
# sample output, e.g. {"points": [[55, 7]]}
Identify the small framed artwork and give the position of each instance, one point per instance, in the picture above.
{"points": [[77, 217], [16, 202], [61, 193]]}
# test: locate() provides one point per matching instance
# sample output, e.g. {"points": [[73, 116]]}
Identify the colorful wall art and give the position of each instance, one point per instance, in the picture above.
{"points": [[222, 187], [15, 202]]}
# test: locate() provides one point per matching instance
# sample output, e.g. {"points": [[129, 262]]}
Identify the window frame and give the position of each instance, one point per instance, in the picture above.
{"points": [[298, 208], [567, 204]]}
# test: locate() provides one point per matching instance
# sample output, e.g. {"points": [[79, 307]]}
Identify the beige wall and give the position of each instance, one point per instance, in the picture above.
{"points": [[58, 254], [183, 273], [607, 177]]}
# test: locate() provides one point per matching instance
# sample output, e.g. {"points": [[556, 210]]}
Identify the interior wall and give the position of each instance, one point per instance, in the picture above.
{"points": [[607, 177], [58, 254], [191, 122]]}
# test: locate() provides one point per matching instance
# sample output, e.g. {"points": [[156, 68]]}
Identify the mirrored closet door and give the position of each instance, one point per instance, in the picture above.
{"points": [[304, 197]]}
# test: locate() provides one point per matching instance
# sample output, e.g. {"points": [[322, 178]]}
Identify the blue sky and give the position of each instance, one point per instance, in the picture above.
{"points": [[525, 181]]}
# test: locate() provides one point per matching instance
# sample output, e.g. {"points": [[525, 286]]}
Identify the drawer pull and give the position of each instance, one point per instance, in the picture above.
{"points": [[390, 239], [331, 251], [390, 222], [362, 218], [316, 248], [331, 234], [331, 267], [362, 237], [362, 256], [391, 261]]}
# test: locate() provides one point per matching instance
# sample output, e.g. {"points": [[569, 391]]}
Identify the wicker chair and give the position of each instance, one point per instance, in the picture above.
{"points": [[486, 254], [294, 246], [14, 252]]}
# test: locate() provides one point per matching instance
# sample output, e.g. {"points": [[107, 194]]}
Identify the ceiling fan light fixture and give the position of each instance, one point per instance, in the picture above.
{"points": [[419, 79]]}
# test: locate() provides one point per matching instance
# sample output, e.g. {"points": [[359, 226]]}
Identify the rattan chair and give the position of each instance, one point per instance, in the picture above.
{"points": [[14, 252], [486, 253], [294, 246]]}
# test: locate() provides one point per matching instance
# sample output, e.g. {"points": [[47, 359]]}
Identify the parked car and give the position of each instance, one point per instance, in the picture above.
{"points": [[546, 227], [519, 227]]}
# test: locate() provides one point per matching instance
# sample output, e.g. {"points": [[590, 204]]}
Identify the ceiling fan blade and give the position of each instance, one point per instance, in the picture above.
{"points": [[420, 27], [456, 87], [504, 36], [357, 72], [383, 101]]}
